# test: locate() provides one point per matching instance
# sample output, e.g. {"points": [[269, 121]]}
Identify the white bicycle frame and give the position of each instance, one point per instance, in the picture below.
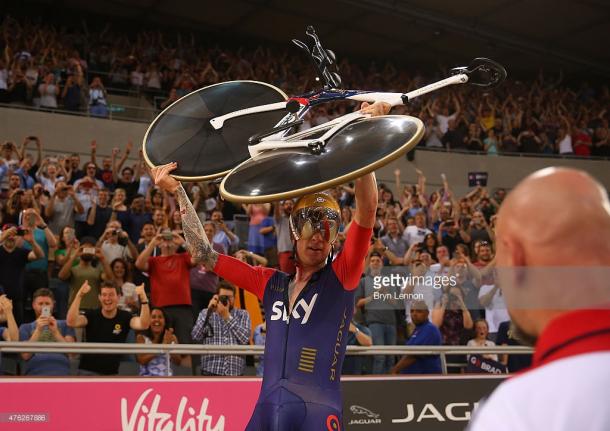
{"points": [[280, 141]]}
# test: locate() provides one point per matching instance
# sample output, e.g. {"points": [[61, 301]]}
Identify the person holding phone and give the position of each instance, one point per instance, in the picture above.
{"points": [[45, 328]]}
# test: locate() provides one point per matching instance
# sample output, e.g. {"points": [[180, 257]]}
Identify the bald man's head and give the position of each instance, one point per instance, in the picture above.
{"points": [[552, 232], [555, 217]]}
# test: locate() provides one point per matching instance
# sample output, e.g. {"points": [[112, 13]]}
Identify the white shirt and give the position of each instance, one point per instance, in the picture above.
{"points": [[565, 145], [414, 234], [569, 394], [495, 312], [443, 122]]}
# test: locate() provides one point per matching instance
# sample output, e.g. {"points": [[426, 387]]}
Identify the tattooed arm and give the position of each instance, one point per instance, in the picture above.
{"points": [[200, 248], [253, 279]]}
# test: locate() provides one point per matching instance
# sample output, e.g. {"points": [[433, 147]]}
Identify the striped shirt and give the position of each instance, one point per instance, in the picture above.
{"points": [[236, 330]]}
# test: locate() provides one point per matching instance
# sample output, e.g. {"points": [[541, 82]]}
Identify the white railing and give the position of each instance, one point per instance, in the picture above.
{"points": [[194, 349]]}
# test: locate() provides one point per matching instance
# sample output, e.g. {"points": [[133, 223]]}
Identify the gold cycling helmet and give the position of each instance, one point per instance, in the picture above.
{"points": [[316, 212]]}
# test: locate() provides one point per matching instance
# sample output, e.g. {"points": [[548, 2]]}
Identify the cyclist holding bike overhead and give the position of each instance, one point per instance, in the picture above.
{"points": [[308, 314]]}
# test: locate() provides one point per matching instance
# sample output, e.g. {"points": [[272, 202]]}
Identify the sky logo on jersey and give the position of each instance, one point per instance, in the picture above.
{"points": [[302, 308]]}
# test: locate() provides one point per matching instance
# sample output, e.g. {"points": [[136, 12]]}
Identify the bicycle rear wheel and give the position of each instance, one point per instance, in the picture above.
{"points": [[357, 149], [182, 133]]}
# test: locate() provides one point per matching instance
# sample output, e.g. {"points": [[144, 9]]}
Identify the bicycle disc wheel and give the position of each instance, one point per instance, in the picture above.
{"points": [[357, 149], [182, 133]]}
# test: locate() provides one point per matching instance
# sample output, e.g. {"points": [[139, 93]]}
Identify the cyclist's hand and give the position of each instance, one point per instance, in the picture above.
{"points": [[376, 109], [161, 177]]}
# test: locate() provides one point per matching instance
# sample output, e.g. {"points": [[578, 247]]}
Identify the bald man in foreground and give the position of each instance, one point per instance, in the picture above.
{"points": [[553, 258]]}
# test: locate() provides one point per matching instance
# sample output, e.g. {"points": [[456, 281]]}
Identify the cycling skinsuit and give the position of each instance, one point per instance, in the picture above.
{"points": [[304, 351]]}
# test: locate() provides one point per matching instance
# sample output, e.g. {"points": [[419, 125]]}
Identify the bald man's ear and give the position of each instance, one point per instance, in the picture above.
{"points": [[515, 254]]}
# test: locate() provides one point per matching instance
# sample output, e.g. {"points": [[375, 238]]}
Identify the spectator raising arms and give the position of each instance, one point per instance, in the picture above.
{"points": [[106, 324]]}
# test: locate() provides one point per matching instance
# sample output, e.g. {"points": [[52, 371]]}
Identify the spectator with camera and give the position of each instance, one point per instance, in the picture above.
{"points": [[106, 324], [85, 263], [98, 105], [451, 233], [159, 332], [62, 207], [87, 190], [13, 260], [222, 324], [115, 243], [72, 92], [424, 334], [451, 316], [46, 328]]}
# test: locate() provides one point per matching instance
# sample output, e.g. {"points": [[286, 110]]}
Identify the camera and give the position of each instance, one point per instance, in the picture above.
{"points": [[224, 299], [21, 231], [167, 236], [46, 311]]}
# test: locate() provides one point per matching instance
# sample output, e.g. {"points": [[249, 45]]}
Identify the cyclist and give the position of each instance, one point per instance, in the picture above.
{"points": [[308, 314]]}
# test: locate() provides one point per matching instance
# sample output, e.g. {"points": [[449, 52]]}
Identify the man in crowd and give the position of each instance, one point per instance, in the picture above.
{"points": [[285, 249], [169, 281], [359, 335], [222, 324], [37, 272], [394, 242], [76, 273], [99, 213], [106, 324], [87, 189], [416, 233], [46, 329], [557, 294], [379, 313], [129, 180], [63, 205], [115, 243], [13, 259], [224, 236], [425, 334]]}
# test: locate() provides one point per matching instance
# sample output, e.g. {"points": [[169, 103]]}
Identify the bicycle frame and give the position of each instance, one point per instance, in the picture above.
{"points": [[311, 99]]}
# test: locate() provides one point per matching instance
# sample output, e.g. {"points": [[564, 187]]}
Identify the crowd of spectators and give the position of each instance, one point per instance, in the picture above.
{"points": [[92, 251], [71, 67]]}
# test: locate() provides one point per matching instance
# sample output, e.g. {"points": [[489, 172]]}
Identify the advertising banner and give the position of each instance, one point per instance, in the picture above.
{"points": [[214, 404]]}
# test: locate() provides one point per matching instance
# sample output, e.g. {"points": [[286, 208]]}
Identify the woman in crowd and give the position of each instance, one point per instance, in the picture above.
{"points": [[119, 208], [159, 332], [128, 300], [175, 223], [481, 332]]}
